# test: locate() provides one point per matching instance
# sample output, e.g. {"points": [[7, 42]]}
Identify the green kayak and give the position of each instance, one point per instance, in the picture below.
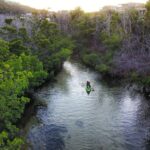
{"points": [[88, 89]]}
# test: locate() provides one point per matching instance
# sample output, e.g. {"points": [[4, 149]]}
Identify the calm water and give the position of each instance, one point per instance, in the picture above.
{"points": [[109, 118]]}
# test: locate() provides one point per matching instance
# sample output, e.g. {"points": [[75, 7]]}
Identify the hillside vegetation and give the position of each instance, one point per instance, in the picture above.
{"points": [[12, 7], [114, 43]]}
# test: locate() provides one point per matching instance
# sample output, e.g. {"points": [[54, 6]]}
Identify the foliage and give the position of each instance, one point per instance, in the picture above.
{"points": [[134, 76], [103, 68], [118, 41], [4, 50], [22, 33], [8, 21], [91, 59], [113, 42], [51, 45], [145, 80], [109, 42], [9, 29], [25, 64], [147, 15], [7, 144], [16, 46]]}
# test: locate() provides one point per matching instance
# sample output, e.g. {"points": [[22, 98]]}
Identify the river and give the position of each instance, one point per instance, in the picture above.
{"points": [[111, 117]]}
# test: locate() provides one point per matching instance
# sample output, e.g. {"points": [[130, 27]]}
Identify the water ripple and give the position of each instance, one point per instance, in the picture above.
{"points": [[109, 118]]}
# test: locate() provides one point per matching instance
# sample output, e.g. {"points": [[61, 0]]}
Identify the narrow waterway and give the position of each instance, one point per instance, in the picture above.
{"points": [[111, 117]]}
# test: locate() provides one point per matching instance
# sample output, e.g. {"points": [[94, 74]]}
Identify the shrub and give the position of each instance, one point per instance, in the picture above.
{"points": [[8, 21], [103, 68], [91, 59]]}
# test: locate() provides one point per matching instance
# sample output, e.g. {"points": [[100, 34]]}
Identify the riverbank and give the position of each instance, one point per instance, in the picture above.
{"points": [[27, 61], [114, 44], [134, 83], [108, 73], [30, 108]]}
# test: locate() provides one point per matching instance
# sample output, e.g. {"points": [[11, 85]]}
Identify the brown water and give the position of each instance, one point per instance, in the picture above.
{"points": [[109, 118]]}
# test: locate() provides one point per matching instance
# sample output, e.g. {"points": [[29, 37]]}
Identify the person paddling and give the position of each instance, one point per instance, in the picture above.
{"points": [[88, 84], [88, 87]]}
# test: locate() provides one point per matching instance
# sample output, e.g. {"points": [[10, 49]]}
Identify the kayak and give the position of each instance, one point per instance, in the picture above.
{"points": [[88, 89]]}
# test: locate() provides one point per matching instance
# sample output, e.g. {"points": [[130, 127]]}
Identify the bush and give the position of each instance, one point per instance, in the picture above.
{"points": [[4, 50], [91, 59], [103, 68], [10, 29], [146, 80], [21, 69], [112, 42], [8, 21], [17, 47], [134, 76]]}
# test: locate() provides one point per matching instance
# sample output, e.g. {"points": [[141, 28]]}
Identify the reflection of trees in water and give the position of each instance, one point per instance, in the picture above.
{"points": [[139, 131], [47, 137], [60, 84], [62, 80], [143, 121], [136, 111]]}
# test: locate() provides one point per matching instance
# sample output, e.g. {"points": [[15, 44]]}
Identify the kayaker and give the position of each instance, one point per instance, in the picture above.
{"points": [[88, 84], [88, 87]]}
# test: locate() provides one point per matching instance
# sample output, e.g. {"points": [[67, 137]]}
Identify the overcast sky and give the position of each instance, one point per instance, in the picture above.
{"points": [[86, 5]]}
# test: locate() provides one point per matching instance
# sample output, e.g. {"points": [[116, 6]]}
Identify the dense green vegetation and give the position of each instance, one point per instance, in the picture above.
{"points": [[95, 43], [114, 43], [26, 62]]}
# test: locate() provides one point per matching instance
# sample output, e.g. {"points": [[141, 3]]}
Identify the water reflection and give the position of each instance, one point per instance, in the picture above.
{"points": [[109, 118], [47, 137]]}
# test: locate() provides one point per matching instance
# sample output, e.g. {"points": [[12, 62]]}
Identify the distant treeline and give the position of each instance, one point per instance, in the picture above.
{"points": [[12, 7], [115, 43]]}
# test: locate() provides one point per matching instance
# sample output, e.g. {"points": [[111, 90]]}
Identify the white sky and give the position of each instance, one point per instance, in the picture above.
{"points": [[86, 5]]}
